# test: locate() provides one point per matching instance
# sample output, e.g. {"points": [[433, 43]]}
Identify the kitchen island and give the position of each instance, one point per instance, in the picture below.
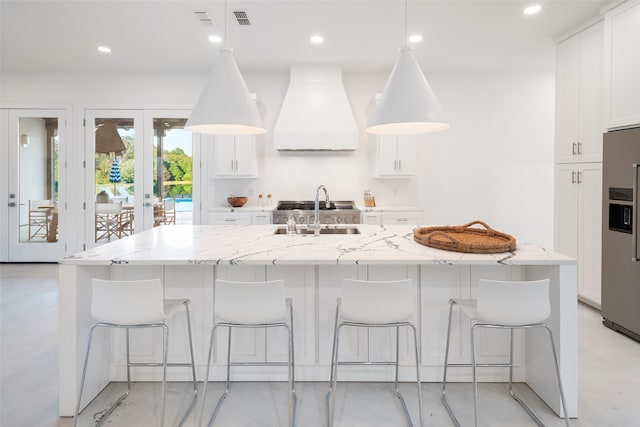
{"points": [[188, 259]]}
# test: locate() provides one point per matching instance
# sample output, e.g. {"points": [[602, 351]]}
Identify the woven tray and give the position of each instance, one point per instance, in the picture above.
{"points": [[465, 238]]}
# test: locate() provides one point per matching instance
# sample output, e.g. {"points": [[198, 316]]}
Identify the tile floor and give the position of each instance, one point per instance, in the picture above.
{"points": [[609, 381]]}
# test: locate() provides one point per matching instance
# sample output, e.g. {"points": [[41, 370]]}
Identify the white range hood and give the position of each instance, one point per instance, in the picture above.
{"points": [[315, 114]]}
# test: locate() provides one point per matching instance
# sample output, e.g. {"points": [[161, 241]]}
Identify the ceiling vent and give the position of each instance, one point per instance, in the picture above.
{"points": [[241, 17], [203, 17]]}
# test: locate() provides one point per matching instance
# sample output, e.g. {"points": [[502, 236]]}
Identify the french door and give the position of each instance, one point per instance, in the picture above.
{"points": [[132, 162], [36, 190]]}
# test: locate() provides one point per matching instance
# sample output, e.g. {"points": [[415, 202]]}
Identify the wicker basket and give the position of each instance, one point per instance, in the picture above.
{"points": [[465, 238]]}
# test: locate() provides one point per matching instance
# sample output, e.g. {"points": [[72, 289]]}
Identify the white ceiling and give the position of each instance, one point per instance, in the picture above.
{"points": [[165, 36]]}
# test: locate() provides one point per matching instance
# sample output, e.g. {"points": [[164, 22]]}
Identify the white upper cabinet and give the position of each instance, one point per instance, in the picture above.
{"points": [[396, 156], [622, 70], [235, 156], [579, 77]]}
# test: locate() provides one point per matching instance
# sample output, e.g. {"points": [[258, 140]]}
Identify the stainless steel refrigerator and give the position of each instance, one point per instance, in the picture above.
{"points": [[620, 246]]}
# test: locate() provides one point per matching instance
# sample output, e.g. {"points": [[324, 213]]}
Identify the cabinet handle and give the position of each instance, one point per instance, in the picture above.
{"points": [[579, 148], [236, 165], [634, 225], [579, 177], [573, 148], [395, 165], [402, 219], [230, 220], [573, 177], [399, 164], [231, 164]]}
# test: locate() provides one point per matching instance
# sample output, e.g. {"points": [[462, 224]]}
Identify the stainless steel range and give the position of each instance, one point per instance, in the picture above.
{"points": [[338, 212]]}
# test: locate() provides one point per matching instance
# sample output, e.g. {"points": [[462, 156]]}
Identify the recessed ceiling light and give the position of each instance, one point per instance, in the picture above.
{"points": [[317, 39], [215, 39], [104, 49], [415, 38], [532, 10]]}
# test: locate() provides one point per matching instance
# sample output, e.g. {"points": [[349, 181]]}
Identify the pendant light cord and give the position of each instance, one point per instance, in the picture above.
{"points": [[226, 43], [405, 42]]}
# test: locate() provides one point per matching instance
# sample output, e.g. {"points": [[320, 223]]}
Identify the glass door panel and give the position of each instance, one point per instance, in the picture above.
{"points": [[172, 172], [36, 193], [172, 184], [113, 169]]}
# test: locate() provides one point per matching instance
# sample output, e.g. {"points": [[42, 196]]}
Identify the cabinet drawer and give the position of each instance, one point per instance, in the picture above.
{"points": [[261, 218], [230, 218], [413, 218]]}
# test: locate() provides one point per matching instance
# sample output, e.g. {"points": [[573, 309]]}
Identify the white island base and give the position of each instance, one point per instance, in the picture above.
{"points": [[188, 259]]}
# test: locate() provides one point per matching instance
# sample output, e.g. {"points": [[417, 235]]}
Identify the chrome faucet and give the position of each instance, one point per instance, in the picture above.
{"points": [[316, 212]]}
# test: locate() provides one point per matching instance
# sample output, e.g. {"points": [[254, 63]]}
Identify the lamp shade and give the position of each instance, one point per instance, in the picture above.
{"points": [[225, 106], [407, 105], [108, 139]]}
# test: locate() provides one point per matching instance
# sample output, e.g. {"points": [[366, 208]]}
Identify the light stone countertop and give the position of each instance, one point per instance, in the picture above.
{"points": [[258, 245]]}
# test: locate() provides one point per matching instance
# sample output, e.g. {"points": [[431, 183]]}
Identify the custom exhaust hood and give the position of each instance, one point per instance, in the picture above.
{"points": [[315, 114]]}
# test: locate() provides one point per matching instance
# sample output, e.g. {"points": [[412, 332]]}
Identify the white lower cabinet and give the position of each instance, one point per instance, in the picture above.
{"points": [[261, 218], [370, 218], [146, 346], [578, 223], [230, 218], [256, 345], [361, 344], [234, 217], [402, 218], [314, 290], [491, 345], [382, 217]]}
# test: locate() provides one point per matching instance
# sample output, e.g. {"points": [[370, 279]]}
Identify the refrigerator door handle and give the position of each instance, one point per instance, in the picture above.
{"points": [[634, 226]]}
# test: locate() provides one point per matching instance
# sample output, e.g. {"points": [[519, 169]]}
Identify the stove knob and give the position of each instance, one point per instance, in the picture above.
{"points": [[347, 220], [301, 220], [339, 220]]}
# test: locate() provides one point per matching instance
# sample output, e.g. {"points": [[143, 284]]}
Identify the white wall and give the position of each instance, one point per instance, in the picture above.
{"points": [[495, 163]]}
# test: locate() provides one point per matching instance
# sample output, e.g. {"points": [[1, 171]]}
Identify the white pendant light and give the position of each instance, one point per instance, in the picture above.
{"points": [[407, 105], [225, 106]]}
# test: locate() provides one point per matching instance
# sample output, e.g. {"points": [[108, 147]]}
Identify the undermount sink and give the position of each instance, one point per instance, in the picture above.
{"points": [[307, 231]]}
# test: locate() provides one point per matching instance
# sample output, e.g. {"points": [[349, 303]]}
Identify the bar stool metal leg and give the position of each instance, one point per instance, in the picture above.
{"points": [[331, 402], [443, 395], [474, 364], [331, 395], [193, 368], [292, 400]]}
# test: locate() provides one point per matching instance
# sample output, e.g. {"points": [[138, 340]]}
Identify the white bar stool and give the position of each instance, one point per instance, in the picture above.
{"points": [[251, 305], [503, 305], [133, 305], [366, 304]]}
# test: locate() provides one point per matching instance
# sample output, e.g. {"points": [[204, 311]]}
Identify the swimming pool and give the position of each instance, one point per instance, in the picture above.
{"points": [[184, 205]]}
